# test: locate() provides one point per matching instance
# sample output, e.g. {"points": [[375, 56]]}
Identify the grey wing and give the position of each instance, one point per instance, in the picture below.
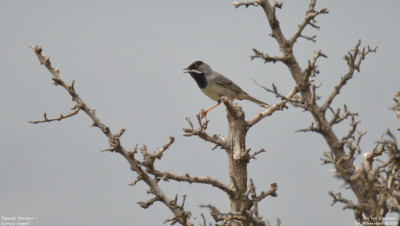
{"points": [[226, 83]]}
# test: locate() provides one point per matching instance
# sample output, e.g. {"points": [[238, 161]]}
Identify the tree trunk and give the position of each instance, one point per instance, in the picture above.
{"points": [[238, 158]]}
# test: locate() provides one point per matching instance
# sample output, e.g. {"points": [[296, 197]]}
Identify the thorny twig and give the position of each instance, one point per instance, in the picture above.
{"points": [[75, 111], [218, 140]]}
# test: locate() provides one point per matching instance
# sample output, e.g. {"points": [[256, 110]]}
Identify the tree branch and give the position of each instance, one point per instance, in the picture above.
{"points": [[149, 202], [190, 179], [311, 128], [201, 132], [396, 106], [337, 118], [266, 57], [338, 198], [308, 20], [270, 192], [253, 156], [280, 105], [311, 70], [354, 59], [247, 4], [75, 111], [70, 89], [180, 215], [149, 159]]}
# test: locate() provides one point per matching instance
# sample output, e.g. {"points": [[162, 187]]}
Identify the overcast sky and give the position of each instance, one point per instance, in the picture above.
{"points": [[126, 58]]}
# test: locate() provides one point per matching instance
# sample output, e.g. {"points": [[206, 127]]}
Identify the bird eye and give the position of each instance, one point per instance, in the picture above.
{"points": [[196, 66]]}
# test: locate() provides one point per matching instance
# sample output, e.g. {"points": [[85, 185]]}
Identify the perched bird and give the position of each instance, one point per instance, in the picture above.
{"points": [[215, 85]]}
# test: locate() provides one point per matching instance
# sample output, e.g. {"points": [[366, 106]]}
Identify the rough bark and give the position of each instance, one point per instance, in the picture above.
{"points": [[237, 157]]}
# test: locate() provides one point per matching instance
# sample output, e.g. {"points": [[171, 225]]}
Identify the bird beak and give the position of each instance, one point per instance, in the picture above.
{"points": [[187, 70]]}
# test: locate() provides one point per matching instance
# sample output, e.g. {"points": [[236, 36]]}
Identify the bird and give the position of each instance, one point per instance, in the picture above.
{"points": [[215, 85]]}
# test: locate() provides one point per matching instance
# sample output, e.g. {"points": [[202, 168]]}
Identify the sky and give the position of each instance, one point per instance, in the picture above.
{"points": [[126, 58]]}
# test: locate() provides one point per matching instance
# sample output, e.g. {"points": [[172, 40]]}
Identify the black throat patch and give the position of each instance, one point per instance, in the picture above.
{"points": [[200, 79]]}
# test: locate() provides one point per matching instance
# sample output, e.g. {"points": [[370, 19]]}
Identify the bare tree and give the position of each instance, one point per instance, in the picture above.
{"points": [[243, 197], [376, 188]]}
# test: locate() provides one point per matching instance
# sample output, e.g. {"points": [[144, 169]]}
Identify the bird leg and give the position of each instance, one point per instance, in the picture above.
{"points": [[204, 113]]}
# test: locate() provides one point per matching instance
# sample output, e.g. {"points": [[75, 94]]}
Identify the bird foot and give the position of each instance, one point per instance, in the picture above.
{"points": [[203, 114]]}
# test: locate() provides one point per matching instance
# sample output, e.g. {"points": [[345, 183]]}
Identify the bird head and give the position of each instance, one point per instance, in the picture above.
{"points": [[198, 67]]}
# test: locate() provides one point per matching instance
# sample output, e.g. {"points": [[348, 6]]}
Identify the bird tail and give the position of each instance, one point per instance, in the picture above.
{"points": [[259, 102]]}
